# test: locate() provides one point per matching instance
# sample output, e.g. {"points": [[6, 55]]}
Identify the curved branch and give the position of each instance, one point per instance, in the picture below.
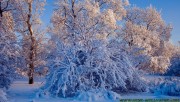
{"points": [[7, 3]]}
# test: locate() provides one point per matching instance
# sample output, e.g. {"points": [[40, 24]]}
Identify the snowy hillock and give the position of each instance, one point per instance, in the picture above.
{"points": [[98, 96]]}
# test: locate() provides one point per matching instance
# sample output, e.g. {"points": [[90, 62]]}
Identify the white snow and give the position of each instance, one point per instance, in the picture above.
{"points": [[21, 91], [146, 95]]}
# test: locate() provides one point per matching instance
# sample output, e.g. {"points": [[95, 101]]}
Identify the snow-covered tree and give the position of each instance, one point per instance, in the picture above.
{"points": [[174, 69], [28, 25], [84, 54], [147, 34], [3, 97], [8, 50]]}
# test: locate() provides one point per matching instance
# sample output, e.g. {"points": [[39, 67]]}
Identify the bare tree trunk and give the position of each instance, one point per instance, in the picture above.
{"points": [[31, 76], [32, 46], [1, 11]]}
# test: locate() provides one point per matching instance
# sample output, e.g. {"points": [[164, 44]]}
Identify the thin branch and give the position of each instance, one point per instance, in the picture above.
{"points": [[9, 9], [7, 4]]}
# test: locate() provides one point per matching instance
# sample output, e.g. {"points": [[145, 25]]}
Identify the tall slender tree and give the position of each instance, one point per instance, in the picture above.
{"points": [[28, 24]]}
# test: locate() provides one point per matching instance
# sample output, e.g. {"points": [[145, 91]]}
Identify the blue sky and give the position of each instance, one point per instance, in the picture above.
{"points": [[170, 10]]}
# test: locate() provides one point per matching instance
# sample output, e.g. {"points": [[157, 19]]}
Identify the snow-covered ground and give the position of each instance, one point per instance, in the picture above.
{"points": [[146, 95], [21, 91]]}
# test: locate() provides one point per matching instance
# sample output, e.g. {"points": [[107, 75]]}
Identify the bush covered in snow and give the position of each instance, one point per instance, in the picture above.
{"points": [[81, 71], [164, 85], [6, 71], [2, 96], [174, 69]]}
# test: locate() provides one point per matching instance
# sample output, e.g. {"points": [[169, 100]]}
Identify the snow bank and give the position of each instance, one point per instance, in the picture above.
{"points": [[98, 96]]}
